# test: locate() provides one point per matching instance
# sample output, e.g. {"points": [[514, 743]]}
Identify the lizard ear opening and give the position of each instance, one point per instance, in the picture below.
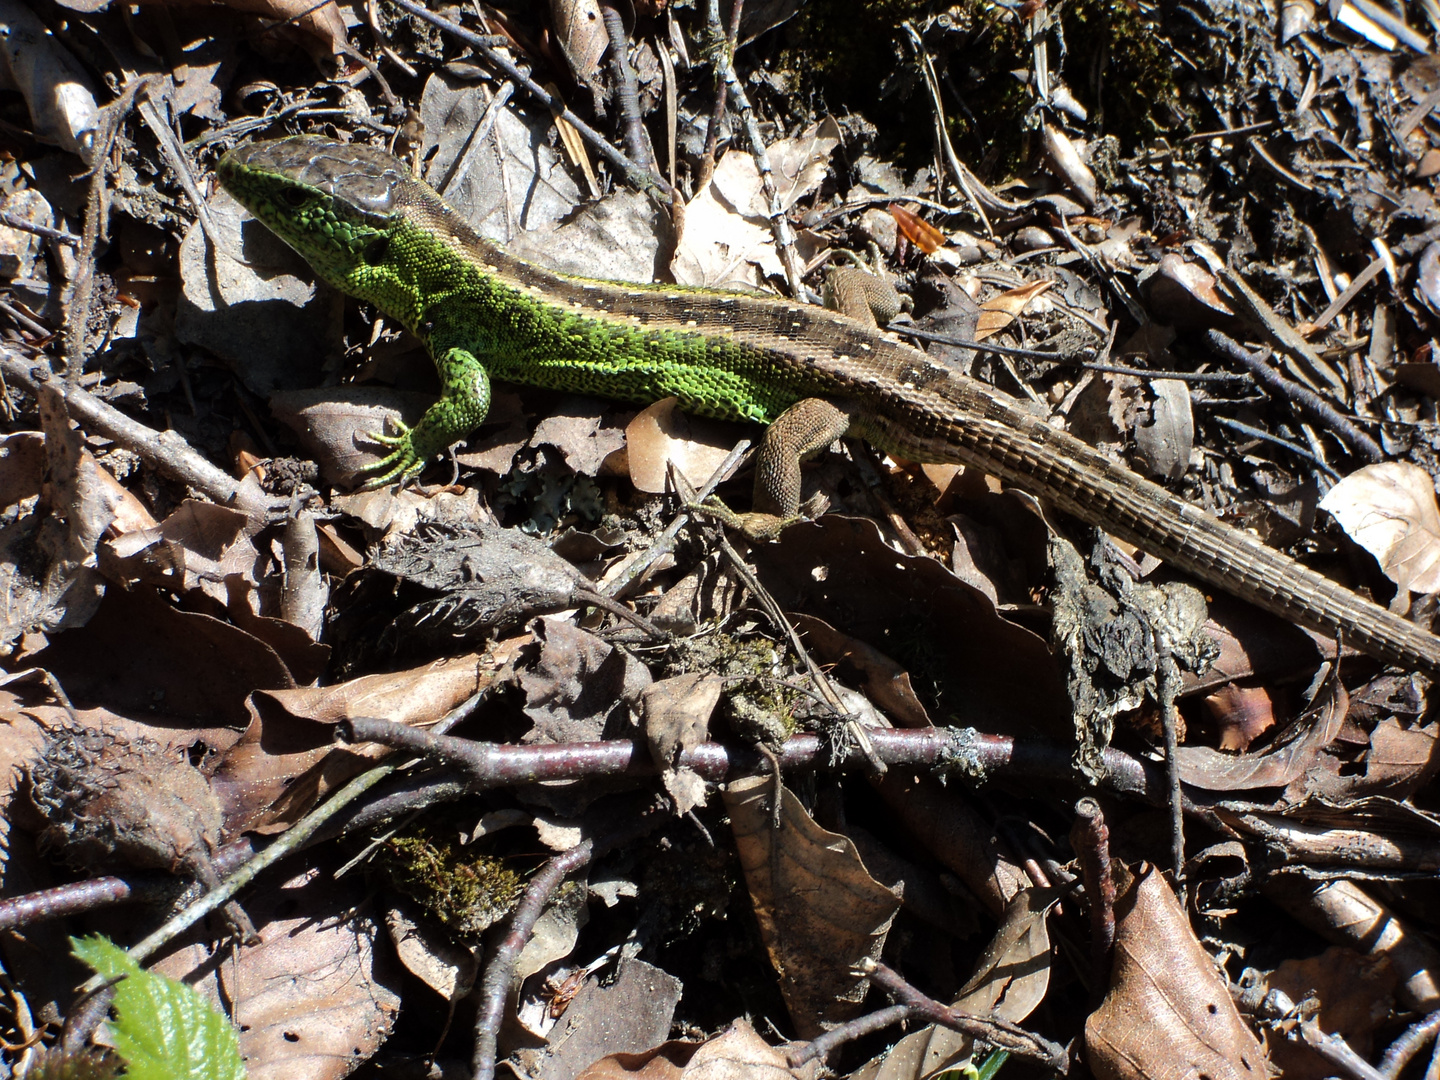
{"points": [[376, 250], [294, 197]]}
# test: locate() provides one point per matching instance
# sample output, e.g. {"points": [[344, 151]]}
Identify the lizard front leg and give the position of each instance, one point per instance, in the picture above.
{"points": [[464, 401]]}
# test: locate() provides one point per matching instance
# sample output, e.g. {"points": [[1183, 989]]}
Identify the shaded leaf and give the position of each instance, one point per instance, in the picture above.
{"points": [[819, 910]]}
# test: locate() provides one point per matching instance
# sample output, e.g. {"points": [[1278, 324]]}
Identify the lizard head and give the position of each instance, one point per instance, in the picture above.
{"points": [[332, 202]]}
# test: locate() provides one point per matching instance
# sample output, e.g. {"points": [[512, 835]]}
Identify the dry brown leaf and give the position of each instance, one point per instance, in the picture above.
{"points": [[577, 684], [584, 432], [198, 547], [290, 735], [1242, 713], [662, 435], [1389, 510], [727, 241], [334, 423], [675, 714], [664, 1062], [321, 23], [580, 33], [1010, 980], [738, 1054], [430, 952], [315, 996], [1194, 279], [1167, 1012], [819, 910], [48, 578], [1068, 166], [1354, 994], [860, 664], [1208, 768], [1344, 913], [626, 1014], [1401, 758], [141, 656], [1004, 309]]}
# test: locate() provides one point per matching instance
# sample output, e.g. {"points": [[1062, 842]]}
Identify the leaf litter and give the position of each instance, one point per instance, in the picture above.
{"points": [[199, 612]]}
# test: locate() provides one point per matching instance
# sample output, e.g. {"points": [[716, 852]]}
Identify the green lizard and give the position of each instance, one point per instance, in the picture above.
{"points": [[372, 230]]}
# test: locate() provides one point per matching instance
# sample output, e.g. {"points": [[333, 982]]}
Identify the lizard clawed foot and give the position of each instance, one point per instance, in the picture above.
{"points": [[399, 465], [754, 526]]}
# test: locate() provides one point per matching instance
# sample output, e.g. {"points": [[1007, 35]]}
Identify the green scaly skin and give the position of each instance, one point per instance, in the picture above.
{"points": [[372, 230], [393, 252]]}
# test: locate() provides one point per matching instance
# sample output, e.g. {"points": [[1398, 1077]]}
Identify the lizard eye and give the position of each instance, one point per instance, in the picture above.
{"points": [[293, 197]]}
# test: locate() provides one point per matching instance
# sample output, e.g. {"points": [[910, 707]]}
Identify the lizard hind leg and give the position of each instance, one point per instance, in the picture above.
{"points": [[800, 432]]}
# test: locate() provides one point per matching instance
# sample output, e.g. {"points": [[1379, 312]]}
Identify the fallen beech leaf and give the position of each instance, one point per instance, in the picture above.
{"points": [[727, 242], [1068, 166], [1195, 280], [1389, 510], [1242, 713], [1354, 995], [1401, 758], [626, 1015], [663, 1062], [819, 910], [661, 435], [431, 953], [580, 33], [315, 995], [1010, 980], [1342, 912], [289, 736], [917, 230], [1166, 1013], [676, 717], [1207, 768], [1000, 312]]}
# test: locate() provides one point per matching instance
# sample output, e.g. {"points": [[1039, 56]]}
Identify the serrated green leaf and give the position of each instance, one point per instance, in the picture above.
{"points": [[163, 1029]]}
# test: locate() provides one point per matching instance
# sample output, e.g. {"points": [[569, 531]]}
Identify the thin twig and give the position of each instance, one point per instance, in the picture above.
{"points": [[25, 322], [97, 212], [1249, 431], [832, 1040], [1168, 691], [1091, 840], [1277, 1008], [665, 542], [14, 221], [1302, 397], [290, 841], [1410, 1043], [776, 211], [500, 970], [94, 893], [624, 91], [857, 731], [991, 1029], [491, 765], [717, 113], [638, 177], [165, 451]]}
